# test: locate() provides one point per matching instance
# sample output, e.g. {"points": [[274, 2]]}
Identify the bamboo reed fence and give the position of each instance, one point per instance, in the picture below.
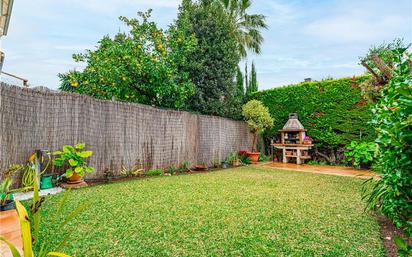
{"points": [[119, 134]]}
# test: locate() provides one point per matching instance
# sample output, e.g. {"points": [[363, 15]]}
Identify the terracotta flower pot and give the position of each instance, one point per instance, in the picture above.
{"points": [[201, 167], [235, 163], [254, 157], [75, 178]]}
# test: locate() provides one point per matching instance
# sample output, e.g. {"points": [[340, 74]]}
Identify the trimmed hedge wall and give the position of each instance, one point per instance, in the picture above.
{"points": [[333, 112]]}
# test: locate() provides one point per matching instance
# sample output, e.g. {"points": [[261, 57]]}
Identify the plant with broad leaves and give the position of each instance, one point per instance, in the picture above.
{"points": [[392, 194], [74, 156], [361, 153]]}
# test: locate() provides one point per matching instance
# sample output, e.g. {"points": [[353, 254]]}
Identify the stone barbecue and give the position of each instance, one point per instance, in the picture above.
{"points": [[293, 141]]}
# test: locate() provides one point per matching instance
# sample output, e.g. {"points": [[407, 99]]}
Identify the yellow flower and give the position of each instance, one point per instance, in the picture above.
{"points": [[74, 84]]}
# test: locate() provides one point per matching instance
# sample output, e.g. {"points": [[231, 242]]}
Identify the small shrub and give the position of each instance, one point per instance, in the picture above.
{"points": [[216, 163], [154, 172], [361, 153], [172, 169], [244, 158], [185, 166], [264, 158]]}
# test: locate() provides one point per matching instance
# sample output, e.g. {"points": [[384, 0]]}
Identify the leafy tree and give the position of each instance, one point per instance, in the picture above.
{"points": [[140, 66], [212, 66], [246, 27], [258, 118]]}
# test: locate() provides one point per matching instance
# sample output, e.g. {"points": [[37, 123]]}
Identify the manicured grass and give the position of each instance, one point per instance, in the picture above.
{"points": [[237, 212]]}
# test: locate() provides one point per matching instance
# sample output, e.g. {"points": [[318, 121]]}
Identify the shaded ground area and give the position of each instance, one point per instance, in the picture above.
{"points": [[329, 170], [248, 211], [388, 233]]}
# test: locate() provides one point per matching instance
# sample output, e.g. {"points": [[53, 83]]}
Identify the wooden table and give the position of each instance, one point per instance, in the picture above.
{"points": [[298, 147], [11, 230]]}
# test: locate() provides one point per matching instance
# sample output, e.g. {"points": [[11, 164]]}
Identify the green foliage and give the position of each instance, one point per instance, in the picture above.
{"points": [[246, 27], [5, 190], [264, 158], [212, 66], [135, 170], [74, 157], [140, 66], [257, 116], [233, 156], [185, 166], [240, 85], [6, 183], [244, 159], [30, 228], [371, 88], [253, 84], [393, 121], [333, 111], [172, 169], [386, 51], [404, 250], [359, 153], [154, 172]]}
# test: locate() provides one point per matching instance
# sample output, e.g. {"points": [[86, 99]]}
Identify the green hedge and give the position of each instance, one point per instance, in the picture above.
{"points": [[333, 111]]}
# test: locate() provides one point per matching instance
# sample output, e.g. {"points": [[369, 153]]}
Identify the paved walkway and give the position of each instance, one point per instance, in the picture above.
{"points": [[10, 229], [329, 170]]}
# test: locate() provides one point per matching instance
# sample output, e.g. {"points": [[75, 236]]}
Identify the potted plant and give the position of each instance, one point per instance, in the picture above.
{"points": [[201, 166], [307, 140], [258, 118], [6, 194], [224, 164], [234, 159], [185, 166], [74, 156]]}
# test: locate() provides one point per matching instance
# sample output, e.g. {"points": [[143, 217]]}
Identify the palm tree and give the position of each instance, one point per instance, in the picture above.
{"points": [[246, 26]]}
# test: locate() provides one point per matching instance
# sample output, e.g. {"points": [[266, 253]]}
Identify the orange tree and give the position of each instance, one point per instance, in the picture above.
{"points": [[139, 66]]}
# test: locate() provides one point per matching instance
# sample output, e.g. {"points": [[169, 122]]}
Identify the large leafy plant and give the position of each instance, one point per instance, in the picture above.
{"points": [[392, 194], [359, 153], [74, 157], [257, 117]]}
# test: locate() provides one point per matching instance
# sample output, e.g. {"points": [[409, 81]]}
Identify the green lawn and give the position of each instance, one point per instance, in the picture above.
{"points": [[237, 212]]}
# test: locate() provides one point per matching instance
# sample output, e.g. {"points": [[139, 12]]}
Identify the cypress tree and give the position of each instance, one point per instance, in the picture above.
{"points": [[239, 83], [247, 87], [253, 80]]}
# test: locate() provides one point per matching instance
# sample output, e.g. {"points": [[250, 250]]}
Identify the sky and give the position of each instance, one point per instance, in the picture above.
{"points": [[305, 39]]}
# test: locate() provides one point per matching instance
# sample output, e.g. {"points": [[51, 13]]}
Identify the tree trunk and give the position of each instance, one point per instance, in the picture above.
{"points": [[254, 142], [382, 66]]}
